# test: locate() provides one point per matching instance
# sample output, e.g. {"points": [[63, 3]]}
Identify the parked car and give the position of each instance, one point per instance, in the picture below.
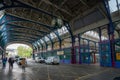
{"points": [[52, 60], [16, 58], [39, 60]]}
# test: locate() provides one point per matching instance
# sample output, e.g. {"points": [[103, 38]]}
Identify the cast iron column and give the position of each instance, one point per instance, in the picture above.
{"points": [[79, 39], [73, 60], [111, 29]]}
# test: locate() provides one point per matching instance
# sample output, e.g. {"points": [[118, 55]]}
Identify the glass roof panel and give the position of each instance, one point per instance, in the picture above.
{"points": [[2, 13], [41, 41], [94, 34], [62, 30], [46, 38], [38, 43], [113, 5], [52, 35]]}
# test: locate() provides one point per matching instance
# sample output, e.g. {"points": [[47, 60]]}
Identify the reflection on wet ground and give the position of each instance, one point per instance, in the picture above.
{"points": [[12, 74], [37, 71]]}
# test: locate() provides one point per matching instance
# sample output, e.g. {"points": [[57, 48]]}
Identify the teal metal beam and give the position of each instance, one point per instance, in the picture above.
{"points": [[7, 38], [40, 44], [21, 4], [7, 18], [24, 27], [19, 40], [17, 36], [20, 19], [19, 32], [52, 43], [45, 43], [37, 47], [59, 39]]}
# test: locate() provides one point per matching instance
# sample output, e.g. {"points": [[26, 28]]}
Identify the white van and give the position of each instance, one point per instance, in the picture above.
{"points": [[39, 60], [52, 60]]}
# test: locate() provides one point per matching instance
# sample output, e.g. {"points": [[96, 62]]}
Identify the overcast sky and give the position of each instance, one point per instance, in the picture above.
{"points": [[14, 46], [113, 5]]}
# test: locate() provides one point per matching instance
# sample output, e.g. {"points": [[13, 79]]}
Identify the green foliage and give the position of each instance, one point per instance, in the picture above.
{"points": [[24, 51]]}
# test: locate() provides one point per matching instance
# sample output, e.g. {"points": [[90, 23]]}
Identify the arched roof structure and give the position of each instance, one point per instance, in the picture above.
{"points": [[29, 21]]}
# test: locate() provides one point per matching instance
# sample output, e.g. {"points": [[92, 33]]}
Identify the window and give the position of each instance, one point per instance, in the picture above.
{"points": [[1, 14], [62, 31], [113, 5], [46, 38], [34, 45], [52, 35], [94, 34], [41, 41], [38, 43], [119, 3]]}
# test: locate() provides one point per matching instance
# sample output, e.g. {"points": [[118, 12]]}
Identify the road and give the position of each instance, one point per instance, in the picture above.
{"points": [[37, 71]]}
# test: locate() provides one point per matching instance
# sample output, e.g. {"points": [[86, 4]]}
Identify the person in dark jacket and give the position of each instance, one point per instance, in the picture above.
{"points": [[11, 61], [4, 61]]}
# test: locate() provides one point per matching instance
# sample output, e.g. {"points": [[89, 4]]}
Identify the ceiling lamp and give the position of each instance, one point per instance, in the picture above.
{"points": [[57, 22], [53, 22]]}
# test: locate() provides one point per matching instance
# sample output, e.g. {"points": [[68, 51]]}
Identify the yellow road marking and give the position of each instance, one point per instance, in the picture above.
{"points": [[48, 72]]}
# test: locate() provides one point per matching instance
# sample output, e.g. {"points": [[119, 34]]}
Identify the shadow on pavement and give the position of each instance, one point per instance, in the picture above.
{"points": [[116, 78]]}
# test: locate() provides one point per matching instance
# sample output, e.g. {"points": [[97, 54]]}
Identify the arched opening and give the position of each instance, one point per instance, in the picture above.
{"points": [[18, 49]]}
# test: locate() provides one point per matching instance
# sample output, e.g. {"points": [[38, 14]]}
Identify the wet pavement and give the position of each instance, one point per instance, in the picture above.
{"points": [[37, 71]]}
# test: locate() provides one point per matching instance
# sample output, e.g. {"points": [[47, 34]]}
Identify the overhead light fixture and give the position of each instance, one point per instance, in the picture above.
{"points": [[60, 22], [53, 22], [57, 22]]}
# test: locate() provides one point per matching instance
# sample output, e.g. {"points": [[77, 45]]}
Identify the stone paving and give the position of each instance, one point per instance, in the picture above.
{"points": [[37, 71]]}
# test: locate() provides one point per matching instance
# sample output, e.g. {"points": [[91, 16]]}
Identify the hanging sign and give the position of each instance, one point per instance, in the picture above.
{"points": [[117, 56], [60, 52]]}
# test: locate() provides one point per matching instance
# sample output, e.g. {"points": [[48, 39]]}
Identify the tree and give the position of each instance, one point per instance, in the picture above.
{"points": [[24, 51]]}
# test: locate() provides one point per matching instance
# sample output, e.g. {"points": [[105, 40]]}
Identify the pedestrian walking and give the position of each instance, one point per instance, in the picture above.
{"points": [[11, 61], [4, 61], [23, 64]]}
